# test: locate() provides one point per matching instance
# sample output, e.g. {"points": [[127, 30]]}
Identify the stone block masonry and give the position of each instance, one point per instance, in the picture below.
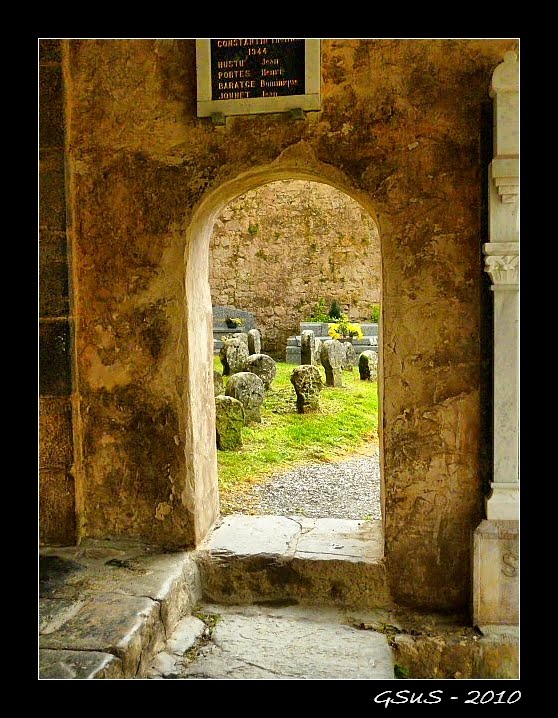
{"points": [[57, 503], [326, 233], [399, 131]]}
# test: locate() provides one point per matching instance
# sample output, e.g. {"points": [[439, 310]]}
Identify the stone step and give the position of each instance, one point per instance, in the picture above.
{"points": [[107, 607], [319, 562], [286, 643]]}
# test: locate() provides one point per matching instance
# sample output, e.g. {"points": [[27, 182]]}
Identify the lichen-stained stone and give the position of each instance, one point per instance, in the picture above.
{"points": [[263, 366], [250, 391], [368, 365], [218, 385], [233, 353], [307, 383], [229, 420], [316, 358], [254, 341], [350, 356], [332, 354], [243, 336]]}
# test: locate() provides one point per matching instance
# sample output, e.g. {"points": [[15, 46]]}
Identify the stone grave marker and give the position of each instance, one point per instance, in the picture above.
{"points": [[233, 354], [254, 342], [368, 366], [250, 391], [307, 347], [218, 385], [332, 354], [229, 420], [263, 366], [307, 384], [243, 336], [350, 356]]}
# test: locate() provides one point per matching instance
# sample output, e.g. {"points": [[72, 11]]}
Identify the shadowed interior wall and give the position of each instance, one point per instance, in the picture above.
{"points": [[401, 122], [275, 251], [56, 487]]}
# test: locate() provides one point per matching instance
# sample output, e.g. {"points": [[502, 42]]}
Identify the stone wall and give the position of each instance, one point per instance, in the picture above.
{"points": [[56, 488], [400, 131], [278, 249]]}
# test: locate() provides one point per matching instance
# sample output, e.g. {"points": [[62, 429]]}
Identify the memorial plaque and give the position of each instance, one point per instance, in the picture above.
{"points": [[239, 76]]}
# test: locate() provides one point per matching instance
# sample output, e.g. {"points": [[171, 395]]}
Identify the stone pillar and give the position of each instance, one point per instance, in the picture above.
{"points": [[502, 264], [495, 563]]}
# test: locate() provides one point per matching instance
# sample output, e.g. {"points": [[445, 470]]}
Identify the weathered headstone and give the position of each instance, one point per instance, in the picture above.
{"points": [[218, 385], [254, 342], [368, 366], [350, 356], [233, 354], [307, 384], [263, 366], [307, 347], [250, 391], [332, 354], [317, 350], [229, 420], [242, 336]]}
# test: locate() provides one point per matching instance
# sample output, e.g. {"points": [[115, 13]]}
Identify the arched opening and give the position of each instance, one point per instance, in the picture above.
{"points": [[200, 442], [282, 257]]}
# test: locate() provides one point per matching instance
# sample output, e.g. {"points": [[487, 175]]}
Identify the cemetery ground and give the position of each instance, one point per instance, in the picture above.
{"points": [[345, 426]]}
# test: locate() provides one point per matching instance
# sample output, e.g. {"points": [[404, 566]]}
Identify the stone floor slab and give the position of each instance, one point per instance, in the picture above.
{"points": [[56, 664], [280, 647], [184, 636], [123, 625], [253, 535], [115, 597], [324, 539]]}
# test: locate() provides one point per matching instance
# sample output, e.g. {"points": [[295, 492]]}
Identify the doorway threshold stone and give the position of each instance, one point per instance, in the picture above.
{"points": [[321, 562]]}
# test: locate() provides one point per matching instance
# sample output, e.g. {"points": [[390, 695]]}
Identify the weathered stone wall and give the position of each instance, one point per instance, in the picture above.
{"points": [[278, 249], [56, 488], [400, 129]]}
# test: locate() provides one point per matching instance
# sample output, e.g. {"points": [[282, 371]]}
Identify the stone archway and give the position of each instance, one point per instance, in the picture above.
{"points": [[297, 163]]}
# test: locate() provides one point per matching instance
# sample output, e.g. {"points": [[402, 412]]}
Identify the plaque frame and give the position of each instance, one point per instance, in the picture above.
{"points": [[310, 100]]}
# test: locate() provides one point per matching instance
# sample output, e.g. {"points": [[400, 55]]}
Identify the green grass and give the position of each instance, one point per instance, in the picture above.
{"points": [[346, 423]]}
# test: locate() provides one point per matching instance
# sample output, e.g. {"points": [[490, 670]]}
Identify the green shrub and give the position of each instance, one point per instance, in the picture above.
{"points": [[375, 313], [319, 313], [335, 310]]}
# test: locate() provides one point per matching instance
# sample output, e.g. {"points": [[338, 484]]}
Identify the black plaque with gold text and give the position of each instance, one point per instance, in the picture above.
{"points": [[248, 68]]}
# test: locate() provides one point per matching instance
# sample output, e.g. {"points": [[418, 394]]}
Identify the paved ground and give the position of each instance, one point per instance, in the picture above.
{"points": [[250, 642], [113, 609], [345, 490]]}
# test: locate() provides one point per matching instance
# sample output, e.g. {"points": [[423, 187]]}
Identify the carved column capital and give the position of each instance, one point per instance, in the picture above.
{"points": [[502, 264]]}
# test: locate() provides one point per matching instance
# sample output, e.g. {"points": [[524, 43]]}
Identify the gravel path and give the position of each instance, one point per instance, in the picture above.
{"points": [[345, 490]]}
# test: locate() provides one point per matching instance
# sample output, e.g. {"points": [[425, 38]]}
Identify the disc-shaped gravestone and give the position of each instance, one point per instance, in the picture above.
{"points": [[263, 366], [242, 336], [250, 391], [233, 354], [307, 383]]}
